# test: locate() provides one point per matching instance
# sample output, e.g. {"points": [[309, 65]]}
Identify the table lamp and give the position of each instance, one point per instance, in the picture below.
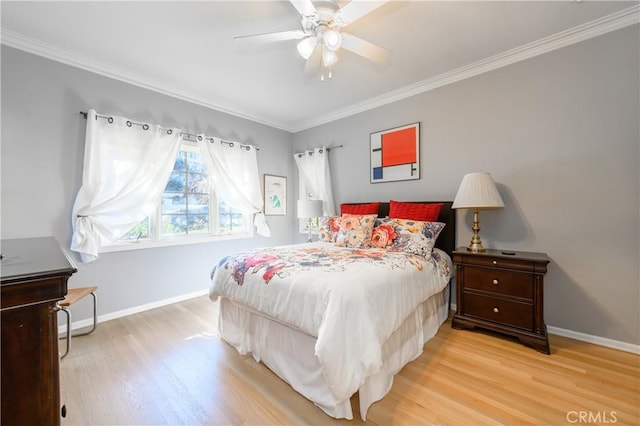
{"points": [[477, 191], [309, 209]]}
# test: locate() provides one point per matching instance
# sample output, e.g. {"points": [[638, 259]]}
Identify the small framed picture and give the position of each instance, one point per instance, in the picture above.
{"points": [[275, 195]]}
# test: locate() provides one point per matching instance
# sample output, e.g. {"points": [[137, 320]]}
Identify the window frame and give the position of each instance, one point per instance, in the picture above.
{"points": [[157, 240]]}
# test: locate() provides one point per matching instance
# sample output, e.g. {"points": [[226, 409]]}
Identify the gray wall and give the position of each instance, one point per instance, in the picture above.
{"points": [[559, 134], [42, 157]]}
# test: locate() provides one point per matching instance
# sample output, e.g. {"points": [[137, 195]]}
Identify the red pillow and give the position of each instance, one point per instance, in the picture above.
{"points": [[360, 209], [427, 212]]}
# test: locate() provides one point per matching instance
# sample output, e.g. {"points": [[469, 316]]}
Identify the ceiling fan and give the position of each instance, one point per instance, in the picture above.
{"points": [[321, 36]]}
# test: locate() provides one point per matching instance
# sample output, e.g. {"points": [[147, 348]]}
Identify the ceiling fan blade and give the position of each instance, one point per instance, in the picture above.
{"points": [[364, 48], [313, 63], [304, 7], [278, 36], [354, 10]]}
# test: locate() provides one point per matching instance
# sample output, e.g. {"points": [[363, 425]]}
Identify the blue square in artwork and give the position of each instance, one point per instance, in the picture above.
{"points": [[377, 172]]}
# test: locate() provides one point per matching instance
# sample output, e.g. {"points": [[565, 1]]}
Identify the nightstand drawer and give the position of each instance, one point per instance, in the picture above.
{"points": [[497, 281], [514, 314], [498, 262]]}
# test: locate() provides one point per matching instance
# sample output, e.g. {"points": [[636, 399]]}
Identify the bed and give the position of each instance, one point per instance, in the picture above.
{"points": [[333, 320]]}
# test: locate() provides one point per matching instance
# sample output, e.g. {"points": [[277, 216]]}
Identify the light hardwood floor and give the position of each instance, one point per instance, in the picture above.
{"points": [[168, 366]]}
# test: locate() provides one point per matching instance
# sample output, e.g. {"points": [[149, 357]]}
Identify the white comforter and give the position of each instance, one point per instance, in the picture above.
{"points": [[351, 300]]}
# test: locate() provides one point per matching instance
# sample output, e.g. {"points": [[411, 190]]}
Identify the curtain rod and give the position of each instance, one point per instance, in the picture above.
{"points": [[182, 132], [329, 148]]}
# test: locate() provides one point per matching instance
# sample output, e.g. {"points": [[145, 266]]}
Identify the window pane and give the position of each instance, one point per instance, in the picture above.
{"points": [[230, 221], [180, 164], [140, 232], [174, 225], [238, 221], [198, 203], [196, 162], [198, 223], [224, 221], [223, 208], [174, 203], [198, 183], [176, 182]]}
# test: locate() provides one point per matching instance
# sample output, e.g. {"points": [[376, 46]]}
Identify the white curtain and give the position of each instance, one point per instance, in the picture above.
{"points": [[233, 169], [126, 168], [313, 166]]}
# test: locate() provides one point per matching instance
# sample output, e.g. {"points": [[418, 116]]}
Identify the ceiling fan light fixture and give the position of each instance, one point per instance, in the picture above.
{"points": [[329, 57], [332, 40], [306, 47]]}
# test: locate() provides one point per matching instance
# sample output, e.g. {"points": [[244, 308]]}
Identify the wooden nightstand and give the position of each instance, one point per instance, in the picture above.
{"points": [[502, 292]]}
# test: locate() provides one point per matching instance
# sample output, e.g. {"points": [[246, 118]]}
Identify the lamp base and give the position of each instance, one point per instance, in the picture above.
{"points": [[476, 247]]}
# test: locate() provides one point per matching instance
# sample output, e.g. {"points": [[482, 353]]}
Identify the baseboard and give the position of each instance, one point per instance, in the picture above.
{"points": [[136, 309], [583, 337], [596, 340]]}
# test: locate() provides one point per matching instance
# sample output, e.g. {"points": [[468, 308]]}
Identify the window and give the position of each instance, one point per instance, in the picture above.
{"points": [[189, 210], [185, 202], [305, 194]]}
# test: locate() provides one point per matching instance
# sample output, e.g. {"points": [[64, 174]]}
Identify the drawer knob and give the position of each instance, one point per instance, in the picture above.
{"points": [[496, 310], [495, 262], [495, 282]]}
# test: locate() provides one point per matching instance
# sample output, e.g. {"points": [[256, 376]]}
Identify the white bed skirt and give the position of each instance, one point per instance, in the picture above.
{"points": [[290, 353]]}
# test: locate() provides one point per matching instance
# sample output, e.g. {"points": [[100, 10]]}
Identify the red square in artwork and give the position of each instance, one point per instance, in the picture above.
{"points": [[399, 147]]}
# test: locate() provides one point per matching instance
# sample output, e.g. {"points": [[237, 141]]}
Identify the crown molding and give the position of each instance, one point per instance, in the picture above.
{"points": [[49, 51], [606, 24]]}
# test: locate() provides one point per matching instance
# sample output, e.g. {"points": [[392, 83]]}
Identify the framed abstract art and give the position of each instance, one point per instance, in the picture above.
{"points": [[275, 195], [395, 154]]}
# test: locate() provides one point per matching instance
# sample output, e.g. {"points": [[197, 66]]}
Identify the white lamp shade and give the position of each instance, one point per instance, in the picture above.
{"points": [[309, 208], [307, 46], [329, 57], [477, 190]]}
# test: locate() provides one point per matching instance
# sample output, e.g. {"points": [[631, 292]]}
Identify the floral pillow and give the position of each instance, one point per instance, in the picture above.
{"points": [[328, 228], [416, 236], [355, 230], [406, 235], [383, 233]]}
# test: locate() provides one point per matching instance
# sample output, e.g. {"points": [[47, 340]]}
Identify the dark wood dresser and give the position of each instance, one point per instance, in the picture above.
{"points": [[33, 277], [502, 292]]}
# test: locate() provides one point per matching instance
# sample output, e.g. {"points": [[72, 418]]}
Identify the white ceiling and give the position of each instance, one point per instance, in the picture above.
{"points": [[187, 50]]}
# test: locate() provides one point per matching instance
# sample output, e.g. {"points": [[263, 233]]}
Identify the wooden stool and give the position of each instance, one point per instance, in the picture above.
{"points": [[74, 295]]}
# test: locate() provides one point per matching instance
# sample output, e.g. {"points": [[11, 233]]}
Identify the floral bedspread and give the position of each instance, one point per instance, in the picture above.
{"points": [[352, 300], [287, 260]]}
